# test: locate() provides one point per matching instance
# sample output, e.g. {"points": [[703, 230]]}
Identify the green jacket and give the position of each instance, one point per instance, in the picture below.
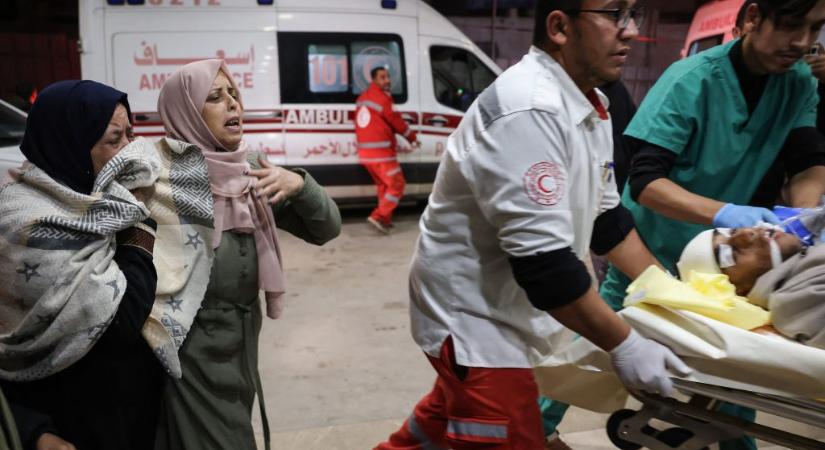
{"points": [[210, 407]]}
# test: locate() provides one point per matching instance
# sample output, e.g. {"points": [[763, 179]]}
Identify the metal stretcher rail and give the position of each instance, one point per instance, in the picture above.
{"points": [[698, 423], [806, 411]]}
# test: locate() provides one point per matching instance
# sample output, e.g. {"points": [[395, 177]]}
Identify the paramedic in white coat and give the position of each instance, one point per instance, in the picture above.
{"points": [[524, 190]]}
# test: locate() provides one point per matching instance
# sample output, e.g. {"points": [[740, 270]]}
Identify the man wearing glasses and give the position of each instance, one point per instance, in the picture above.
{"points": [[526, 181], [711, 128]]}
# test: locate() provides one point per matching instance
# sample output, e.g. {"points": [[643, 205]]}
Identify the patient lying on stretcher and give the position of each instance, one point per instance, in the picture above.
{"points": [[774, 269]]}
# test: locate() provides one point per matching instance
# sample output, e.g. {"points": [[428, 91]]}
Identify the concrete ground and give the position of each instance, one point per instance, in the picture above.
{"points": [[340, 370]]}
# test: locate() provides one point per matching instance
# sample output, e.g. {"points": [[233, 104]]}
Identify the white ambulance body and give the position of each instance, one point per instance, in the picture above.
{"points": [[300, 65]]}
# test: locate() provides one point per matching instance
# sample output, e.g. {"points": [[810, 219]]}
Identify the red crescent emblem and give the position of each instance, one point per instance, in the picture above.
{"points": [[544, 183]]}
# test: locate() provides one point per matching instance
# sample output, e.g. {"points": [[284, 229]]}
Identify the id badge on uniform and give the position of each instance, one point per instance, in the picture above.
{"points": [[608, 167]]}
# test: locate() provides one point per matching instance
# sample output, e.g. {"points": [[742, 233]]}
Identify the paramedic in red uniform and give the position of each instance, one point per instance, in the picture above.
{"points": [[376, 124]]}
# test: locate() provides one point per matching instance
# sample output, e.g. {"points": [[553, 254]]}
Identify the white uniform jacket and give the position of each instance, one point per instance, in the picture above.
{"points": [[527, 171]]}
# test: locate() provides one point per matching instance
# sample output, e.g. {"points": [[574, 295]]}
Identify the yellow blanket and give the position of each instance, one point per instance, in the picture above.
{"points": [[709, 295]]}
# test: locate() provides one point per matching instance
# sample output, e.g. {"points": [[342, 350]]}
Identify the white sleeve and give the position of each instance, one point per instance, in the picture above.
{"points": [[518, 172]]}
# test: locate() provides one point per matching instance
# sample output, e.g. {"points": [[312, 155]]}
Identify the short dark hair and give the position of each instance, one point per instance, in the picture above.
{"points": [[740, 16], [375, 70], [779, 10], [543, 9]]}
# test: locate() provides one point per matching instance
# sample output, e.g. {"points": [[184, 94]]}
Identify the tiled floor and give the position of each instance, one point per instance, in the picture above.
{"points": [[340, 370]]}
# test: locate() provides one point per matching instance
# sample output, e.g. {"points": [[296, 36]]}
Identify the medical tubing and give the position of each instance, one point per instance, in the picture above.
{"points": [[805, 224]]}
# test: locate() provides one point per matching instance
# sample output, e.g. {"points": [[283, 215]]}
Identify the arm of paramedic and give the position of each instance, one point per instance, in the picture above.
{"points": [[535, 227], [631, 256], [807, 188], [590, 317], [639, 363], [650, 187], [614, 235], [804, 149], [398, 124], [665, 123], [804, 159]]}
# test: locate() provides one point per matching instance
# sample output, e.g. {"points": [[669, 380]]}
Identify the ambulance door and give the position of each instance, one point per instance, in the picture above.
{"points": [[457, 74], [147, 43], [712, 25], [322, 72]]}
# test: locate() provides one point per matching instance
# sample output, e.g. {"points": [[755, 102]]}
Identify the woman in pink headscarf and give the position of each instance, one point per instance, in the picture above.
{"points": [[211, 406]]}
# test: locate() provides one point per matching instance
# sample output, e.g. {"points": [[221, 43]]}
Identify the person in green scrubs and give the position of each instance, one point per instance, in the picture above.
{"points": [[714, 127]]}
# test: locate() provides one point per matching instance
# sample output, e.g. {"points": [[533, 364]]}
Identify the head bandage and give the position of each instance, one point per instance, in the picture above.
{"points": [[698, 256]]}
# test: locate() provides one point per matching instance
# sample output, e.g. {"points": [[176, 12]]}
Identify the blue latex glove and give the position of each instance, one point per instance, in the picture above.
{"points": [[737, 216]]}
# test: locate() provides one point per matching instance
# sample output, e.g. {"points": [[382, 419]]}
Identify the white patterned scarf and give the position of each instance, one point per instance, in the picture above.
{"points": [[61, 286], [182, 206]]}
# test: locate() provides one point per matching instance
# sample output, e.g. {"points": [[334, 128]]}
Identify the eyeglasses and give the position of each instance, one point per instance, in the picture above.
{"points": [[621, 17]]}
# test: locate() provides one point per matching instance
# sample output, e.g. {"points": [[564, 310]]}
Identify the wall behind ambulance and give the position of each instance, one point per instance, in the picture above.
{"points": [[663, 34], [38, 38], [38, 46]]}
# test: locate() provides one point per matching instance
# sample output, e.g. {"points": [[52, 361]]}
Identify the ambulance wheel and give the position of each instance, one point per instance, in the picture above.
{"points": [[674, 437], [613, 429]]}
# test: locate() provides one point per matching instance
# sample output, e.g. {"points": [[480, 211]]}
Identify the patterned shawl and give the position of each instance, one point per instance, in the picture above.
{"points": [[61, 285]]}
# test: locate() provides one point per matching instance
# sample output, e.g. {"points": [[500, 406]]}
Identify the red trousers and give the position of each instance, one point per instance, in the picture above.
{"points": [[473, 408], [389, 181]]}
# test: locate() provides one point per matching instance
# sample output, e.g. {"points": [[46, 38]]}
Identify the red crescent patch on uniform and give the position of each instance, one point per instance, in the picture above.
{"points": [[544, 183]]}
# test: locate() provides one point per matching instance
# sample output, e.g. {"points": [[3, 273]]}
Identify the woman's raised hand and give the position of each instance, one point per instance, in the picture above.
{"points": [[276, 183]]}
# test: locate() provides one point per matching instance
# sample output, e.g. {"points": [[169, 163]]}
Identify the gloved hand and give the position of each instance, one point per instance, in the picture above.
{"points": [[646, 364], [737, 216]]}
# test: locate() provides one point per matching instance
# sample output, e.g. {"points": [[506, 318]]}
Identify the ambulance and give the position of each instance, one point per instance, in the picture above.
{"points": [[712, 25], [300, 65]]}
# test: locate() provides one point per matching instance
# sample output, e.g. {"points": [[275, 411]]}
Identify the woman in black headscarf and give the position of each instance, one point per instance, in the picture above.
{"points": [[108, 398]]}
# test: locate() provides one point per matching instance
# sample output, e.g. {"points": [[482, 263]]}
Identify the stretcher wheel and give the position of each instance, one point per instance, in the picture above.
{"points": [[674, 437], [614, 429]]}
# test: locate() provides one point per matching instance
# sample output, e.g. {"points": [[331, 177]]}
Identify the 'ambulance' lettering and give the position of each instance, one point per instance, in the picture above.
{"points": [[151, 82], [307, 116], [154, 81], [717, 22], [318, 117]]}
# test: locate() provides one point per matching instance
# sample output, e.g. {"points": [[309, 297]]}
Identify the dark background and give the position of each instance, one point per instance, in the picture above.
{"points": [[39, 38]]}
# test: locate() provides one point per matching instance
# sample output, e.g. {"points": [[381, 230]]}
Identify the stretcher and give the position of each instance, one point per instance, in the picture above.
{"points": [[697, 423], [767, 373]]}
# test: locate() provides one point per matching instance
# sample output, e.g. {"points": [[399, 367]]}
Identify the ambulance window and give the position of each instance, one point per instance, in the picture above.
{"points": [[335, 67], [481, 74], [458, 76], [328, 68], [704, 44], [367, 55]]}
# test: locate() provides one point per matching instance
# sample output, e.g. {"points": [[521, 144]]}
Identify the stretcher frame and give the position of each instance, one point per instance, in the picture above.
{"points": [[698, 423]]}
